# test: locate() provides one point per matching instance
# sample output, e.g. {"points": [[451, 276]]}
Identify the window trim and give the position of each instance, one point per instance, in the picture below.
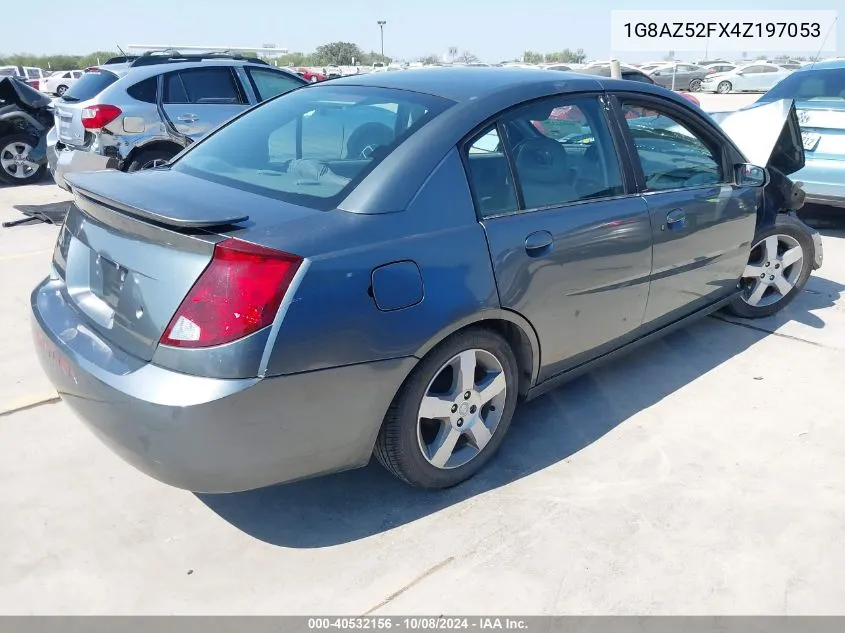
{"points": [[698, 126], [620, 151], [239, 91]]}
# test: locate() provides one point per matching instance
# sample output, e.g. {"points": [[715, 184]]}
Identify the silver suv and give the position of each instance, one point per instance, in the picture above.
{"points": [[137, 114]]}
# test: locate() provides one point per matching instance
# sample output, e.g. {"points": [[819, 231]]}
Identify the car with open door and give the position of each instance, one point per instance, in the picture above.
{"points": [[135, 114], [386, 264]]}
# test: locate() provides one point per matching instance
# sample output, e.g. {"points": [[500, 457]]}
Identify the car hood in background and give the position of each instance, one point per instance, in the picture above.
{"points": [[768, 134], [15, 91]]}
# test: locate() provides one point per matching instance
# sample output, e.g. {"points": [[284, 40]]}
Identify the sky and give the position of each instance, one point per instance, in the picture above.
{"points": [[494, 30]]}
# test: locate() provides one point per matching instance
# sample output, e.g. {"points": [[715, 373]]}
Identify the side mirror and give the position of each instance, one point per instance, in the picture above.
{"points": [[748, 175]]}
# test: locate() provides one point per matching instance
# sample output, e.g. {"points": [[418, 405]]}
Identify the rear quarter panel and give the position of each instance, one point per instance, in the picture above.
{"points": [[333, 319]]}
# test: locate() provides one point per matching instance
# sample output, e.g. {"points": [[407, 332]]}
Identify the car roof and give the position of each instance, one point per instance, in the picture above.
{"points": [[142, 72], [500, 86], [470, 83], [832, 64]]}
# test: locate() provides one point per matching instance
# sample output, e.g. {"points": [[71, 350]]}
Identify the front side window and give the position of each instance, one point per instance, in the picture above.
{"points": [[311, 147], [269, 83], [671, 154], [563, 152]]}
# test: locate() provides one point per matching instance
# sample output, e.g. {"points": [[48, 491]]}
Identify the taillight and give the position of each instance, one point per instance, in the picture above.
{"points": [[237, 294], [96, 116]]}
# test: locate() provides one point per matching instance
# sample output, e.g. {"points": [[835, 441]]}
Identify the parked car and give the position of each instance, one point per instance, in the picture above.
{"points": [[309, 285], [59, 82], [135, 115], [24, 120], [819, 94], [627, 72], [754, 77], [712, 69], [29, 74], [310, 75], [679, 76]]}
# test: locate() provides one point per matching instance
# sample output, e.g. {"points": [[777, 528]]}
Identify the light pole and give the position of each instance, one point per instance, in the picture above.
{"points": [[381, 24]]}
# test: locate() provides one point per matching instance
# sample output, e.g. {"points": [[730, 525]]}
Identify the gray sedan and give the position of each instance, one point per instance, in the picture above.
{"points": [[388, 263], [679, 76]]}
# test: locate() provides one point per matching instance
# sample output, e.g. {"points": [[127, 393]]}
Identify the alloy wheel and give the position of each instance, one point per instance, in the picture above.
{"points": [[14, 159], [695, 85], [724, 87], [773, 269], [461, 409]]}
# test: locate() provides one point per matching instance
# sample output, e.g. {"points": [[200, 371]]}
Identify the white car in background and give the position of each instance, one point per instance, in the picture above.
{"points": [[60, 81], [753, 77]]}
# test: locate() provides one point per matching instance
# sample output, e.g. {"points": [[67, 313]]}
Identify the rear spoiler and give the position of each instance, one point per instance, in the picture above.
{"points": [[125, 194]]}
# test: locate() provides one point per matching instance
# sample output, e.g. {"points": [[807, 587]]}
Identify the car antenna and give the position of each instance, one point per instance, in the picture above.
{"points": [[832, 24], [121, 50]]}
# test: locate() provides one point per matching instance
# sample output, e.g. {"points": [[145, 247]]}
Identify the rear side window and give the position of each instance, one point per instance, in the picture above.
{"points": [[269, 83], [90, 85], [201, 86], [563, 152], [144, 90], [311, 147], [489, 174]]}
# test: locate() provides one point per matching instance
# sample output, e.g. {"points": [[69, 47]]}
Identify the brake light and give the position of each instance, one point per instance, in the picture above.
{"points": [[237, 294], [96, 116]]}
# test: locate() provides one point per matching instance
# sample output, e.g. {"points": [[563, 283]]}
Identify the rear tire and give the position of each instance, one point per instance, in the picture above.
{"points": [[12, 172], [724, 87], [150, 158], [61, 90], [450, 448], [780, 264]]}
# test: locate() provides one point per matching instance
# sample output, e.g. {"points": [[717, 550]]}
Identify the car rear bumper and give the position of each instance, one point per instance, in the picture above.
{"points": [[68, 161], [206, 434], [823, 181]]}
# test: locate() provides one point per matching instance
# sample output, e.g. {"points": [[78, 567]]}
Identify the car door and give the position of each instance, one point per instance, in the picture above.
{"points": [[197, 100], [702, 223], [570, 247], [771, 76], [750, 78]]}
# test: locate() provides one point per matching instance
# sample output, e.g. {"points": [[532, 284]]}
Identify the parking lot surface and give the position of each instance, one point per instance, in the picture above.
{"points": [[703, 474]]}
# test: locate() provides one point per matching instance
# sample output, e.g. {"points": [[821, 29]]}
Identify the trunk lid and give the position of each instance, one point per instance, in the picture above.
{"points": [[133, 245], [768, 134], [68, 119]]}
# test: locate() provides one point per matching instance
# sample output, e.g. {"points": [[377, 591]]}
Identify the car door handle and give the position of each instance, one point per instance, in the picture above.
{"points": [[188, 118], [676, 219], [539, 243]]}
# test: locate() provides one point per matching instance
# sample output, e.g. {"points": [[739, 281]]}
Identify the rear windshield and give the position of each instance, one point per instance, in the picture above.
{"points": [[311, 146], [810, 85], [90, 85]]}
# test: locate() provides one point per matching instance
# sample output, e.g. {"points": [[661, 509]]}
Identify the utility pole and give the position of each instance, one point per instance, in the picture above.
{"points": [[381, 24]]}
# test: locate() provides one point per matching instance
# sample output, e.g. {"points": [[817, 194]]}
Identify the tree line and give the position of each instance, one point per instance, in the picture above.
{"points": [[332, 54]]}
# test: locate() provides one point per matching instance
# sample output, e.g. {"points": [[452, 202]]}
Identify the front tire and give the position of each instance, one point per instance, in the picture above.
{"points": [[452, 412], [779, 266], [724, 87], [61, 90]]}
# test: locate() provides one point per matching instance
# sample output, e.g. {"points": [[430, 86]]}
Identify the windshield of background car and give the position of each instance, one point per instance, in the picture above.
{"points": [[90, 85], [810, 85], [311, 146]]}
